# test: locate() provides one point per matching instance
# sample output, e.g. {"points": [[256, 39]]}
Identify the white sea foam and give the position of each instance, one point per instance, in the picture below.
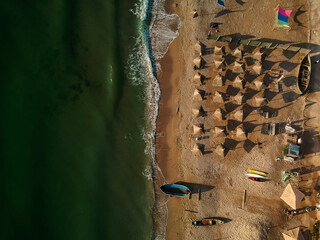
{"points": [[141, 68]]}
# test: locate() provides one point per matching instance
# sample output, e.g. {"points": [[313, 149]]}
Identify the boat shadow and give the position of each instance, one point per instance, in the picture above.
{"points": [[196, 188]]}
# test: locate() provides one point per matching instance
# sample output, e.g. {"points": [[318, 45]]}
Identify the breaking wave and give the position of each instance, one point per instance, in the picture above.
{"points": [[155, 35]]}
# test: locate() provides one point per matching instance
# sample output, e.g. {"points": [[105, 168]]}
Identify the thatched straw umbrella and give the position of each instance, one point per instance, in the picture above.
{"points": [[258, 83], [238, 82], [258, 101], [218, 97], [218, 114], [195, 112], [240, 133], [217, 81], [218, 63], [292, 196], [219, 132], [237, 53], [238, 115], [197, 95], [197, 129], [198, 61], [257, 68], [198, 47], [238, 99], [238, 67], [218, 50], [197, 79], [196, 150], [257, 55], [220, 150], [195, 13], [293, 234]]}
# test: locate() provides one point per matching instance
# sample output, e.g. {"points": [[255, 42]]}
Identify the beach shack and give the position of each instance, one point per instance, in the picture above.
{"points": [[291, 151]]}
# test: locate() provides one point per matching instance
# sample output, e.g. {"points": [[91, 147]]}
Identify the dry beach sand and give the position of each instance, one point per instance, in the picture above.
{"points": [[222, 181]]}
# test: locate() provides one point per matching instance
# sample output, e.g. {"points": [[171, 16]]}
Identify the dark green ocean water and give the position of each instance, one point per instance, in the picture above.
{"points": [[72, 154]]}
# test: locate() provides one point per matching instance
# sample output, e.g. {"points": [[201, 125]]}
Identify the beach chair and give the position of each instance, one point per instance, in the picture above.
{"points": [[254, 43], [293, 48], [213, 37], [283, 46], [244, 41], [225, 39], [265, 44]]}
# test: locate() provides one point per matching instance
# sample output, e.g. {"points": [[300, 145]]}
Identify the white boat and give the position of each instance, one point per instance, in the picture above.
{"points": [[255, 175]]}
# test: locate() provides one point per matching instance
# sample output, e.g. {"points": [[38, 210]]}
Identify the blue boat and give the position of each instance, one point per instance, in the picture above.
{"points": [[175, 190]]}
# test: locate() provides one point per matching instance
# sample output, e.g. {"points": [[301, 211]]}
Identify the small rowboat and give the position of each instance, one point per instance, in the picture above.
{"points": [[208, 222], [175, 190], [256, 179], [255, 175], [258, 172]]}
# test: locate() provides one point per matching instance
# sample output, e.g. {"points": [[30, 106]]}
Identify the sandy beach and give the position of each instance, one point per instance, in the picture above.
{"points": [[220, 186]]}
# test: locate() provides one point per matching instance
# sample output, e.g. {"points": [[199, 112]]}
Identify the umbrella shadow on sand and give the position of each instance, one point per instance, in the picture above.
{"points": [[196, 188]]}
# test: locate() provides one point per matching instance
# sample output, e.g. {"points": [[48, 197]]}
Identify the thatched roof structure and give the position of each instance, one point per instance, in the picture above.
{"points": [[217, 81], [218, 114], [198, 61], [258, 83], [196, 150], [219, 132], [293, 234], [197, 95], [237, 53], [292, 196], [220, 150], [257, 68], [240, 133], [238, 82], [238, 67], [218, 63], [218, 97], [197, 79], [238, 99], [197, 129], [238, 115], [257, 55], [218, 50], [259, 101], [198, 47]]}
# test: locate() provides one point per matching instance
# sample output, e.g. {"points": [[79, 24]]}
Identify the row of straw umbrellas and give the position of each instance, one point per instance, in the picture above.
{"points": [[218, 97]]}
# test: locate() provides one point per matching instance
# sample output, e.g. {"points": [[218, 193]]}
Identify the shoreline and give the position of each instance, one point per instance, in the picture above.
{"points": [[174, 138]]}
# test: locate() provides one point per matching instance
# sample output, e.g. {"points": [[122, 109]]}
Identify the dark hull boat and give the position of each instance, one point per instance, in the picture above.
{"points": [[175, 190], [256, 179], [208, 222]]}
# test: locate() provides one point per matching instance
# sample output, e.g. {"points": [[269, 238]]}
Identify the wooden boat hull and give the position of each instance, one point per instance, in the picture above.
{"points": [[208, 222]]}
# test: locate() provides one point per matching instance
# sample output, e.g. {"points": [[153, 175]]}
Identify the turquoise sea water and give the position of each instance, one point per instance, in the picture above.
{"points": [[72, 152]]}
